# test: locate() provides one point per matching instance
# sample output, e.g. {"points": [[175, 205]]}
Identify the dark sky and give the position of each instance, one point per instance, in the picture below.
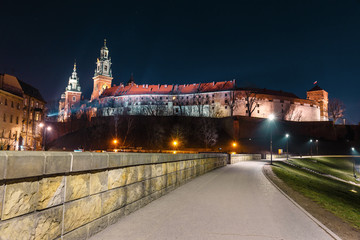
{"points": [[281, 45]]}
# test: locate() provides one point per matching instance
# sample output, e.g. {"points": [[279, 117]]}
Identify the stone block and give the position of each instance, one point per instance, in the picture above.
{"points": [[171, 167], [141, 173], [147, 187], [171, 179], [117, 160], [97, 226], [132, 175], [51, 192], [132, 207], [77, 186], [113, 200], [30, 163], [177, 166], [188, 164], [81, 161], [99, 160], [2, 165], [145, 201], [98, 182], [2, 189], [182, 165], [158, 183], [158, 169], [147, 171], [137, 158], [49, 223], [81, 212], [134, 192], [117, 178], [57, 162], [18, 228], [20, 198], [78, 234], [116, 215]]}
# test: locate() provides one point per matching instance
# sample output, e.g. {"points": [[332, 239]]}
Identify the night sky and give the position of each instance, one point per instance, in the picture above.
{"points": [[280, 45]]}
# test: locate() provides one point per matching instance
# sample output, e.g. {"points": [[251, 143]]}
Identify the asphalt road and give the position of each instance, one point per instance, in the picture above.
{"points": [[234, 202]]}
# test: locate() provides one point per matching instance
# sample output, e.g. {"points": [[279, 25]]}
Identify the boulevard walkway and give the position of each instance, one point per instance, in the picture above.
{"points": [[234, 202]]}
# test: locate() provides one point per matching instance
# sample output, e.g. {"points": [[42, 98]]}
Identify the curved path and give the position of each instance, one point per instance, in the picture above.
{"points": [[234, 202]]}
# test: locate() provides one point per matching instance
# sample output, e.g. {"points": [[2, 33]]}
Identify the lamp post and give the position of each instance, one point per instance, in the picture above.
{"points": [[287, 146], [271, 119], [317, 146], [175, 143], [311, 141], [354, 170], [115, 141], [45, 130]]}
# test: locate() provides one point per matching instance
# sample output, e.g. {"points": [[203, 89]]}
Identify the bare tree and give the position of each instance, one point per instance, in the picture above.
{"points": [[208, 133], [231, 101], [154, 107], [336, 109], [292, 114], [251, 101]]}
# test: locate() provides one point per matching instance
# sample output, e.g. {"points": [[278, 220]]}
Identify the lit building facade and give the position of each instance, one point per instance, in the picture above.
{"points": [[214, 99], [21, 109]]}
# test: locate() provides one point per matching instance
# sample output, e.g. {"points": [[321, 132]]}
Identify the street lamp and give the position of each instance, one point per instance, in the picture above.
{"points": [[311, 141], [287, 146], [354, 170], [271, 119], [317, 146], [45, 130]]}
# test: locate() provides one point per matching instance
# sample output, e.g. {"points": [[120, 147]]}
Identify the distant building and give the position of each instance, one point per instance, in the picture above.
{"points": [[21, 109], [70, 99], [33, 115], [214, 99]]}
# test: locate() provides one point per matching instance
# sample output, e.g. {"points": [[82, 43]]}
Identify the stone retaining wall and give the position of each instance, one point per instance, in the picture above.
{"points": [[62, 195], [235, 158]]}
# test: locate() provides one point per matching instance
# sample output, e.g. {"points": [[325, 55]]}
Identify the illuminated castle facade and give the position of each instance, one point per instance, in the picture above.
{"points": [[214, 99]]}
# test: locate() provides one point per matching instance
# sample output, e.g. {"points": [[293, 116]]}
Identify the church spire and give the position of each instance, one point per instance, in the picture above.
{"points": [[103, 64], [74, 84]]}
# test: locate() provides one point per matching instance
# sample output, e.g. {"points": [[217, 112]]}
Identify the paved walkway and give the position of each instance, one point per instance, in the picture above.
{"points": [[234, 202]]}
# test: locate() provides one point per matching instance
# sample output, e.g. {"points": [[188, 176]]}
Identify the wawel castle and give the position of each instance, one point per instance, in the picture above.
{"points": [[211, 99]]}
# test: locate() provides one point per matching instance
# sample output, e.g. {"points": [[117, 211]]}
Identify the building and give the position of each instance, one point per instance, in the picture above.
{"points": [[213, 99], [33, 115], [21, 109], [70, 99]]}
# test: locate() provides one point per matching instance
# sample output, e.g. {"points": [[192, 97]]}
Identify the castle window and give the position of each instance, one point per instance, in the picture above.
{"points": [[187, 97], [37, 104], [74, 98], [5, 102], [282, 110], [247, 111], [225, 94], [11, 118], [18, 106], [213, 107], [177, 110], [17, 120], [4, 118], [213, 95], [32, 103], [225, 107], [258, 111], [160, 98], [212, 101], [226, 101], [270, 100], [257, 105]]}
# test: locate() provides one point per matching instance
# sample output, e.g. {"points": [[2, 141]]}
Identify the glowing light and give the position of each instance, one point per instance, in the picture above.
{"points": [[353, 149], [234, 144], [354, 191], [175, 143], [287, 135], [311, 140], [115, 141], [48, 128], [41, 125], [271, 117], [174, 152]]}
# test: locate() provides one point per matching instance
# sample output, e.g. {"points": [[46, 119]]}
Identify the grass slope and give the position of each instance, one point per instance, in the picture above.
{"points": [[340, 198], [341, 167]]}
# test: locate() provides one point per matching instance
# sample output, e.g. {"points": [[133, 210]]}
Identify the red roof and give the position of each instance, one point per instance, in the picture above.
{"points": [[134, 89]]}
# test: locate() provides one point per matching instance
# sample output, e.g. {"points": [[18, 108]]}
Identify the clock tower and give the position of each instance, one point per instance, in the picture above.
{"points": [[103, 74]]}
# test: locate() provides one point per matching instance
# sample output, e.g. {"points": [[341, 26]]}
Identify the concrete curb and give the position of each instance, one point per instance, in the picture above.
{"points": [[327, 230]]}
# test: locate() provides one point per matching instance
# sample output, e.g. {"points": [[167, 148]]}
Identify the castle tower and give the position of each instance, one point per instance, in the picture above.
{"points": [[103, 75], [70, 100], [320, 96]]}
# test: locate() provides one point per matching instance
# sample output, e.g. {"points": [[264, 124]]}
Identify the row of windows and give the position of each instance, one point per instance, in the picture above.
{"points": [[37, 104], [10, 119], [10, 135], [12, 104]]}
